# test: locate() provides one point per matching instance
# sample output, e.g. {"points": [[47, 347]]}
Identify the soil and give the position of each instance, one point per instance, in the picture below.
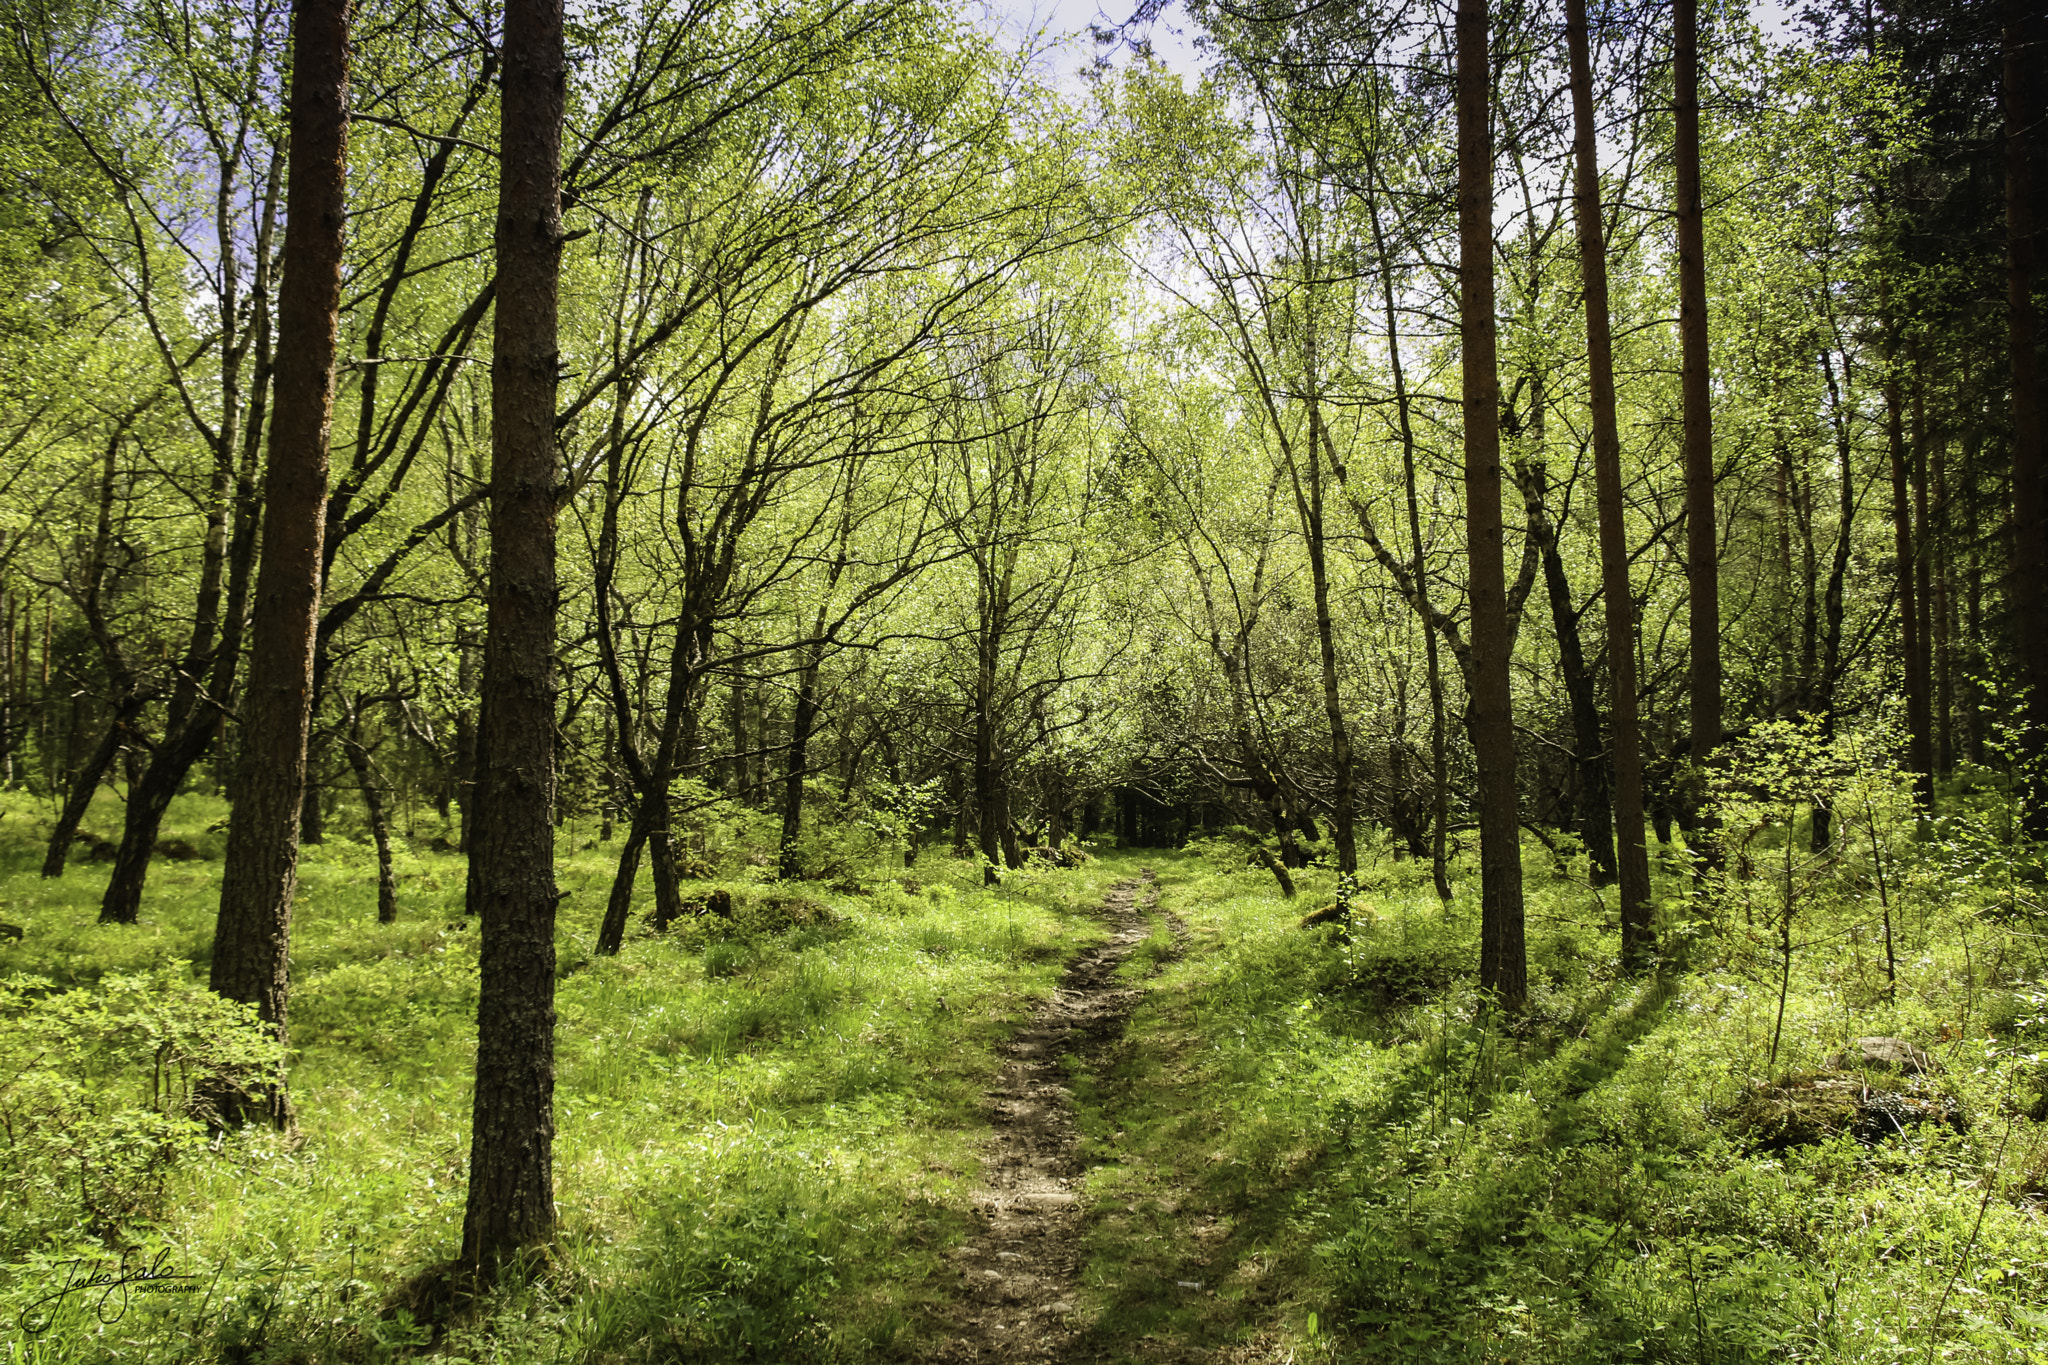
{"points": [[1017, 1303]]}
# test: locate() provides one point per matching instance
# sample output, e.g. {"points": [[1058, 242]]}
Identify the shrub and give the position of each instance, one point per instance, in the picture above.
{"points": [[102, 1096]]}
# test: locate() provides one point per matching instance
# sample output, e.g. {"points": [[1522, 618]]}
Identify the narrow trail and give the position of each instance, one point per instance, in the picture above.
{"points": [[1017, 1303]]}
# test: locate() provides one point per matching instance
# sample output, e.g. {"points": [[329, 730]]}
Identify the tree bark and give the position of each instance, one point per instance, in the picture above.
{"points": [[1503, 962], [252, 935], [1702, 547], [511, 1178], [1912, 626], [1632, 858], [2029, 595]]}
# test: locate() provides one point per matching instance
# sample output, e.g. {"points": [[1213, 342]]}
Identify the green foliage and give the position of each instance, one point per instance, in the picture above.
{"points": [[106, 1093]]}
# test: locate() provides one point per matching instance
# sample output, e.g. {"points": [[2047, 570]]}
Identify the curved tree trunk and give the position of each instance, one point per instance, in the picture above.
{"points": [[84, 786]]}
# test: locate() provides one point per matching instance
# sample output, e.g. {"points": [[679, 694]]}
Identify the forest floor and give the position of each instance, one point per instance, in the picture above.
{"points": [[1020, 1272], [1128, 1112]]}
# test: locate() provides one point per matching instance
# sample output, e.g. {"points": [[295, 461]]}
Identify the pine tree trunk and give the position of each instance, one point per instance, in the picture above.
{"points": [[1503, 963], [511, 1181], [2024, 56], [1633, 859], [1702, 548], [252, 936], [1919, 724]]}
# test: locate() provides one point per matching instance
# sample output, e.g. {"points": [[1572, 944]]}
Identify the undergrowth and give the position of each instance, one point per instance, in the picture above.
{"points": [[767, 1124]]}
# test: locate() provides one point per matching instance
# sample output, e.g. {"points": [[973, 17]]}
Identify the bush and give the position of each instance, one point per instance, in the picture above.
{"points": [[103, 1096]]}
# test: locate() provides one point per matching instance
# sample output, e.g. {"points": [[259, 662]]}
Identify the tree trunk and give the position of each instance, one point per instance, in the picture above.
{"points": [[252, 936], [1702, 547], [380, 823], [1593, 801], [511, 1163], [1633, 859], [619, 906], [1503, 963], [1912, 625], [85, 785], [1309, 502], [2029, 595]]}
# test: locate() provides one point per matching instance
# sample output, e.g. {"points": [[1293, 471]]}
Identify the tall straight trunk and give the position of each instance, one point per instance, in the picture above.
{"points": [[2029, 593], [1503, 959], [1935, 532], [1833, 601], [1309, 502], [511, 1161], [1919, 722], [1632, 858], [252, 934], [1702, 547]]}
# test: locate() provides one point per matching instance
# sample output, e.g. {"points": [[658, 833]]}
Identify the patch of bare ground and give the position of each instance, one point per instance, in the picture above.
{"points": [[1017, 1301]]}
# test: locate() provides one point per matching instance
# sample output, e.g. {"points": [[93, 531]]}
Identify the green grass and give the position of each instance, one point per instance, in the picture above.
{"points": [[766, 1132], [1354, 1162], [1308, 1145]]}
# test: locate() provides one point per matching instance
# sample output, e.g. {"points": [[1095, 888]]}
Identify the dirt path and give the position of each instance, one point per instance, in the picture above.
{"points": [[1016, 1302]]}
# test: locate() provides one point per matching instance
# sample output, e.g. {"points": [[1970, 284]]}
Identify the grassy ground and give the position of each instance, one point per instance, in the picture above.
{"points": [[1319, 1148], [766, 1133], [1310, 1145]]}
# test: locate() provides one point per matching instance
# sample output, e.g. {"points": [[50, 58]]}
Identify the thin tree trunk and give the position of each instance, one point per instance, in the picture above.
{"points": [[1594, 799], [1937, 545], [1309, 502], [2029, 592], [511, 1182], [252, 936], [1919, 725], [1633, 859], [1503, 962], [380, 824], [1702, 548], [803, 720], [85, 785], [1439, 735]]}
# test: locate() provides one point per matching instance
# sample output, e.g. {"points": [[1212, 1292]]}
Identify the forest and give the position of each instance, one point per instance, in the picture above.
{"points": [[853, 681]]}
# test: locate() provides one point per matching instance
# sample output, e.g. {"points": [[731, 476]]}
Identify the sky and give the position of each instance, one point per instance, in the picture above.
{"points": [[1173, 35]]}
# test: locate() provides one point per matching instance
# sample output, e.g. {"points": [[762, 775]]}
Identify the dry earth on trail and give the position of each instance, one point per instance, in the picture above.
{"points": [[1017, 1301]]}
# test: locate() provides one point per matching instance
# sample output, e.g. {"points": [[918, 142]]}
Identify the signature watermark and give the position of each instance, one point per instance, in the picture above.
{"points": [[105, 1284]]}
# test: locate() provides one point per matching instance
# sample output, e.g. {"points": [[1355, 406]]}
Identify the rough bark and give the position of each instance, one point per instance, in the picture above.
{"points": [[252, 934], [1702, 549], [511, 1181], [1632, 858], [1503, 962]]}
